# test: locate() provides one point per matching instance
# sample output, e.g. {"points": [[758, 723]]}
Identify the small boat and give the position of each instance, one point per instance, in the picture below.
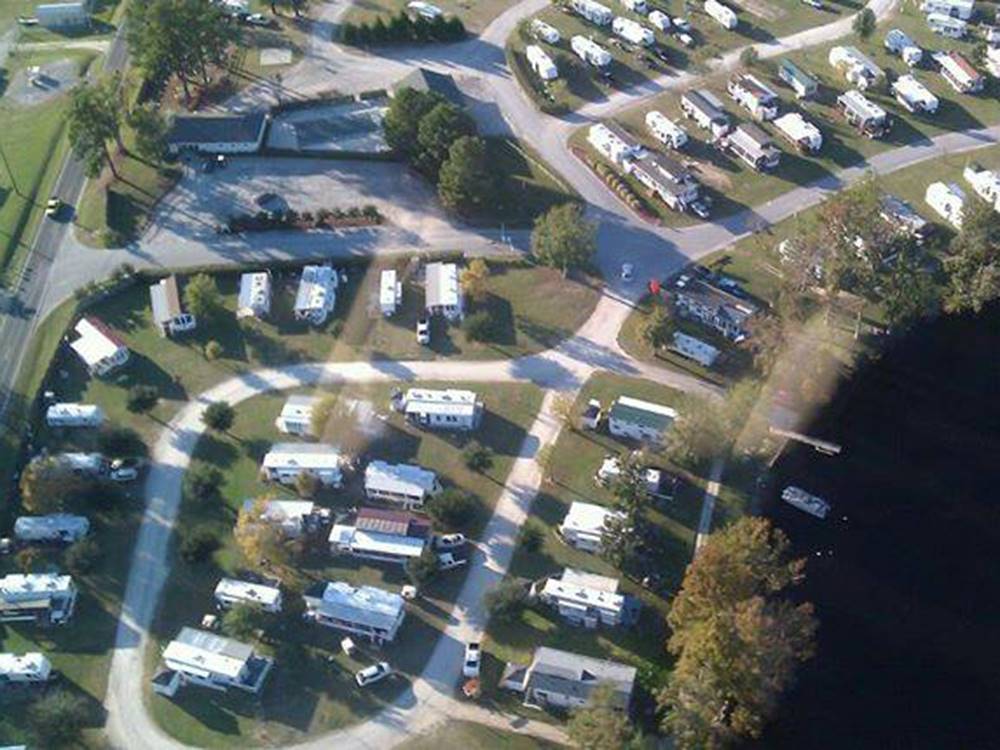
{"points": [[799, 498]]}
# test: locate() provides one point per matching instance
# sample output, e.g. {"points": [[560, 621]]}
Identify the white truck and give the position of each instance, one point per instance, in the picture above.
{"points": [[633, 31], [596, 13], [541, 63], [659, 20], [665, 130], [590, 52], [544, 32], [725, 15], [898, 43]]}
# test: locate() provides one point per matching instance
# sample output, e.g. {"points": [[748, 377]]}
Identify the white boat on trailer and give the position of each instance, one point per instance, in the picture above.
{"points": [[799, 498]]}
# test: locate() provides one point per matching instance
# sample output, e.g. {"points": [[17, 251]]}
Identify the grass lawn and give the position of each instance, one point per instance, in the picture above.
{"points": [[312, 689], [734, 186], [33, 140], [760, 20], [574, 460], [475, 15], [456, 734]]}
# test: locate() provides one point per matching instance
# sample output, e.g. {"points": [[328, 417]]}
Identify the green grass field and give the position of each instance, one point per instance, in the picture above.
{"points": [[459, 734], [312, 689]]}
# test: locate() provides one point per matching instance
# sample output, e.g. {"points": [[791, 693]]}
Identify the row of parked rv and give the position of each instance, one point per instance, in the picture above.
{"points": [[948, 199]]}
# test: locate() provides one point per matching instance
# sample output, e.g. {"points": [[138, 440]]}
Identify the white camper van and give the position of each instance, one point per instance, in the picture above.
{"points": [[659, 20], [591, 11], [541, 63], [725, 15], [665, 130], [544, 32], [633, 31], [953, 28], [591, 52], [899, 43]]}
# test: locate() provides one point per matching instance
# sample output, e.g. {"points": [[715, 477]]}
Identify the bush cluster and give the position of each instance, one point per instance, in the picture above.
{"points": [[617, 184], [401, 29], [291, 219]]}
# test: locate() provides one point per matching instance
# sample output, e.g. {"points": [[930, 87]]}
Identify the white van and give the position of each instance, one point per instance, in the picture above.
{"points": [[665, 130]]}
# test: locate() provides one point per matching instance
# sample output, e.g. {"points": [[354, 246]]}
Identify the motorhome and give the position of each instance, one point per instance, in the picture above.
{"points": [[56, 527], [590, 52], [953, 28], [633, 32], [541, 63], [753, 146], [592, 11], [962, 9], [985, 182], [706, 110], [959, 73], [948, 201], [74, 415], [723, 14], [659, 20], [614, 143], [636, 6], [806, 137], [665, 130], [544, 32], [857, 68], [755, 96], [869, 118], [913, 95], [897, 42]]}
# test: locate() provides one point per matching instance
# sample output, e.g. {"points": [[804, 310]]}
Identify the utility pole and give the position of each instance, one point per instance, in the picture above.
{"points": [[10, 173]]}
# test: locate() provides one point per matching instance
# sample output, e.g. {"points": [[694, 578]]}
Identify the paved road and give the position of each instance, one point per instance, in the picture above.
{"points": [[561, 370]]}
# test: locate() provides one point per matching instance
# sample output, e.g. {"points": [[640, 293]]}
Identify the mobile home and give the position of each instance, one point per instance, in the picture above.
{"points": [[100, 349], [40, 598], [585, 599], [55, 527], [636, 419], [285, 461], [591, 11], [614, 143], [962, 9], [443, 291], [913, 95], [665, 130], [985, 182], [959, 73], [296, 415], [541, 63], [803, 84], [449, 409], [723, 14], [753, 146], [668, 179], [694, 349], [293, 517], [869, 118], [395, 536], [390, 292], [753, 95], [806, 137], [948, 201], [897, 42], [197, 657], [74, 415], [317, 294], [706, 110], [63, 15], [254, 300], [953, 28], [168, 314], [563, 679], [857, 67], [590, 52], [365, 610], [584, 524], [633, 31], [230, 592], [404, 484]]}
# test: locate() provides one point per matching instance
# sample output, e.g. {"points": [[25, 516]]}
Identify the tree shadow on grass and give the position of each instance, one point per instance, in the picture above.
{"points": [[216, 451]]}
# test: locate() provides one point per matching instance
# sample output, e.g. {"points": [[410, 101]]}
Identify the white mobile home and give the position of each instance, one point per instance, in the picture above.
{"points": [[98, 347], [636, 6], [897, 42], [633, 31], [590, 52], [985, 182], [870, 119], [165, 302], [668, 179], [613, 143], [913, 95], [611, 470], [953, 8], [754, 95], [948, 201], [801, 82], [953, 28], [367, 544], [665, 130], [583, 598], [404, 484], [41, 598], [591, 11], [659, 20], [254, 299], [74, 415], [706, 110], [83, 464], [723, 14], [541, 63], [197, 657], [285, 461], [294, 517], [390, 292], [753, 146], [545, 32], [56, 527], [636, 419], [230, 592], [365, 610], [584, 524], [317, 294], [24, 669], [449, 409], [296, 415], [567, 680], [695, 349], [63, 15], [858, 68], [443, 291], [959, 73], [799, 131]]}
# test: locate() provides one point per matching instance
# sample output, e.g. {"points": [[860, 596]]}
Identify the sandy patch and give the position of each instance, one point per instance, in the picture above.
{"points": [[711, 175]]}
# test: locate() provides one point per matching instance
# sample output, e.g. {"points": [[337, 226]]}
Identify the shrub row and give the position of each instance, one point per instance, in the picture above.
{"points": [[324, 218], [616, 183], [401, 29]]}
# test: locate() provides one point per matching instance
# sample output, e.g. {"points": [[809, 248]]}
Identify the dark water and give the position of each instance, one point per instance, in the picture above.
{"points": [[909, 602]]}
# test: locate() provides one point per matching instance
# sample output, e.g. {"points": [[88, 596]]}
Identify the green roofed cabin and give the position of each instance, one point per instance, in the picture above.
{"points": [[640, 420]]}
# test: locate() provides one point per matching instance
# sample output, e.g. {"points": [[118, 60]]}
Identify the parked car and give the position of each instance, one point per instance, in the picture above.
{"points": [[372, 674], [53, 207], [447, 561], [424, 331], [448, 541], [123, 470], [473, 660], [628, 271], [258, 19]]}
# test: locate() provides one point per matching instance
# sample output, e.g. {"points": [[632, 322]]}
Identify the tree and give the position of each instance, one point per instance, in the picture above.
{"points": [[601, 724], [477, 457], [141, 398], [306, 484], [402, 119], [437, 131], [532, 536], [262, 543], [864, 23], [475, 280], [149, 128], [908, 293], [120, 442], [219, 416], [506, 600], [202, 482], [242, 621], [58, 717], [47, 487], [563, 239], [94, 122], [749, 57], [453, 508], [202, 298], [422, 570], [478, 326], [465, 180], [698, 433], [321, 413], [973, 263], [198, 545], [213, 350], [620, 541], [83, 555], [736, 638], [658, 328]]}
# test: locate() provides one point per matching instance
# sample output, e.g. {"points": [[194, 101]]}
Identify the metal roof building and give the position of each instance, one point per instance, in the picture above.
{"points": [[365, 610]]}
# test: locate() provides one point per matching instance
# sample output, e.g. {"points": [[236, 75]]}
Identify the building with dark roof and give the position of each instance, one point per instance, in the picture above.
{"points": [[218, 134], [567, 680]]}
